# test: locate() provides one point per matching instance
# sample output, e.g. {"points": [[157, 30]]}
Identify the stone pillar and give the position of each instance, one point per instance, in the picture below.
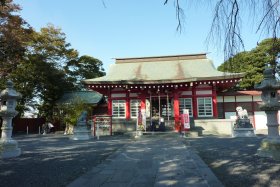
{"points": [[8, 146], [270, 146], [272, 124]]}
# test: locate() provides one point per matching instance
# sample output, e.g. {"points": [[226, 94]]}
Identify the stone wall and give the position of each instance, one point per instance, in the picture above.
{"points": [[122, 125], [215, 126]]}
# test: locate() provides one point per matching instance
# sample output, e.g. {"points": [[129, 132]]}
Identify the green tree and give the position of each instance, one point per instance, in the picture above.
{"points": [[47, 56], [253, 62], [59, 65], [24, 78], [41, 64], [50, 44], [71, 112], [85, 67], [40, 75], [15, 33]]}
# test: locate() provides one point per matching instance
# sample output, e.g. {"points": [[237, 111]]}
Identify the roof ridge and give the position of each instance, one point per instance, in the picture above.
{"points": [[161, 58]]}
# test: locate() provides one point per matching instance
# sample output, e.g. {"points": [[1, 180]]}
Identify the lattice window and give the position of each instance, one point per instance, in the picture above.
{"points": [[186, 103], [134, 107], [205, 108], [118, 108]]}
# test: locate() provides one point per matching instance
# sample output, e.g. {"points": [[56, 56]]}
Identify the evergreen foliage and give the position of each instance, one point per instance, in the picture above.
{"points": [[71, 111], [253, 62], [41, 64]]}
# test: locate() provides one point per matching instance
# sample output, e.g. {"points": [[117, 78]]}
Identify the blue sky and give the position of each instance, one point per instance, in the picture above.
{"points": [[127, 28]]}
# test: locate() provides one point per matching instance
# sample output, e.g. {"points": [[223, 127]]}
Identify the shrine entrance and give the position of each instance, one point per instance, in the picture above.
{"points": [[161, 110]]}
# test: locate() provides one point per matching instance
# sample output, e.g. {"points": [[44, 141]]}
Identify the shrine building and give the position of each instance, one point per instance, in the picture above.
{"points": [[162, 86]]}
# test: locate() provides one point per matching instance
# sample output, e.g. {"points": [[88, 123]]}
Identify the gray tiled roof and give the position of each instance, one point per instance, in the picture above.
{"points": [[89, 97], [162, 70]]}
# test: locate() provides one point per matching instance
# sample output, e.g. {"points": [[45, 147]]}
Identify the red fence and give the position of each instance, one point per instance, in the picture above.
{"points": [[21, 124]]}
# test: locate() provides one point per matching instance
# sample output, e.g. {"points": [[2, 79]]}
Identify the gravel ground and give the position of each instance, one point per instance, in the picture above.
{"points": [[54, 160], [235, 162]]}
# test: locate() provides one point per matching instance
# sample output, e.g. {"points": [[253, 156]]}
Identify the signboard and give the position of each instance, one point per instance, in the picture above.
{"points": [[139, 117], [143, 113], [141, 120], [185, 120]]}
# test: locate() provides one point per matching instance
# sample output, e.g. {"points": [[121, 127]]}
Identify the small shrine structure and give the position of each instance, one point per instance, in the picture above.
{"points": [[162, 86]]}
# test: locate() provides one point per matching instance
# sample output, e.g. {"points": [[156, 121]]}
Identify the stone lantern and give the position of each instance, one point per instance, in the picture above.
{"points": [[8, 146], [270, 146]]}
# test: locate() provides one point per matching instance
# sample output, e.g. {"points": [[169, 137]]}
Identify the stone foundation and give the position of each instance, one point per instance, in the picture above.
{"points": [[270, 147], [9, 148], [215, 126], [81, 133], [243, 132]]}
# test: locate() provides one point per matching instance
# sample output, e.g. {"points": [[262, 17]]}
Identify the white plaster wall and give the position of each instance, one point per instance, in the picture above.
{"points": [[230, 115], [133, 94], [118, 95], [186, 93], [219, 99], [243, 98], [203, 92], [260, 120], [257, 98], [229, 99]]}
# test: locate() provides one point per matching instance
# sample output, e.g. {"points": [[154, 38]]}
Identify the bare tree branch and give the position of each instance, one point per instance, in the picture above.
{"points": [[270, 9], [180, 15], [227, 21], [104, 4]]}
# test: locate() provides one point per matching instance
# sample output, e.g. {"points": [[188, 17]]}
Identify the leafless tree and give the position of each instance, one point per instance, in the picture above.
{"points": [[227, 20]]}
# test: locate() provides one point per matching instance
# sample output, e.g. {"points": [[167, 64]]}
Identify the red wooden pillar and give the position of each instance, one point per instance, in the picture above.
{"points": [[176, 111], [127, 106], [109, 103], [143, 101], [214, 101], [194, 102]]}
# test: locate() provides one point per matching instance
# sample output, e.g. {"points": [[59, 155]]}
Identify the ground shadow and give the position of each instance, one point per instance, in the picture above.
{"points": [[235, 161]]}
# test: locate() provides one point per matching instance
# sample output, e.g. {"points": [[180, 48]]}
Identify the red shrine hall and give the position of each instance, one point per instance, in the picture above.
{"points": [[162, 86]]}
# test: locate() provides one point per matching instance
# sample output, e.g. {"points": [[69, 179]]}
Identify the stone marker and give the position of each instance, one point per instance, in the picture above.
{"points": [[80, 131]]}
